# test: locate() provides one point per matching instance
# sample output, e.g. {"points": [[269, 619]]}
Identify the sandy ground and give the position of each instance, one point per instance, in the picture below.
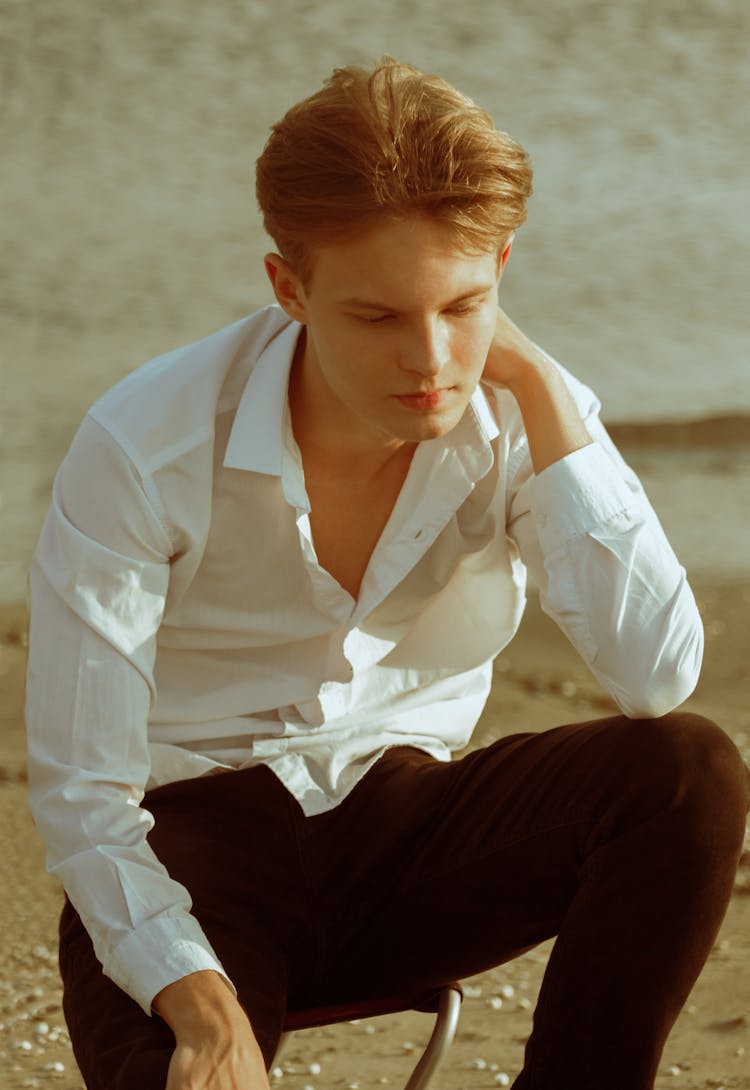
{"points": [[539, 683]]}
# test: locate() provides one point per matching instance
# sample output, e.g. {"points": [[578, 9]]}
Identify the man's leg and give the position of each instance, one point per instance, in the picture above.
{"points": [[231, 840], [621, 837]]}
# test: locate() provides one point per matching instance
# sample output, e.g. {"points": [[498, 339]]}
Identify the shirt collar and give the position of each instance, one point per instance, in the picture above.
{"points": [[257, 438], [485, 418], [256, 441]]}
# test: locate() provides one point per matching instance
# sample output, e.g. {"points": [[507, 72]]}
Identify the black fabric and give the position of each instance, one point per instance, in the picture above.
{"points": [[619, 836]]}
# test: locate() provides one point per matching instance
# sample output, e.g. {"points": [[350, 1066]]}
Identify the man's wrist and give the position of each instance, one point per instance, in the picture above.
{"points": [[199, 1003]]}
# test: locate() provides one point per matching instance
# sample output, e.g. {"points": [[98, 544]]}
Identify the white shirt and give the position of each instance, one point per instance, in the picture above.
{"points": [[181, 622]]}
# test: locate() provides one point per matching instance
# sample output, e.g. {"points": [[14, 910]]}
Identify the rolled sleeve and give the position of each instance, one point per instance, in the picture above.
{"points": [[608, 576], [158, 953], [577, 495]]}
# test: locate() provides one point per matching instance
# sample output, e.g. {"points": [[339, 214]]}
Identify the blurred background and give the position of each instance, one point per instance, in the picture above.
{"points": [[130, 130]]}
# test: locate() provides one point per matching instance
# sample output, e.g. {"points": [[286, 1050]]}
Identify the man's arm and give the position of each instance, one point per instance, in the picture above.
{"points": [[98, 591], [606, 572], [214, 1044], [551, 418]]}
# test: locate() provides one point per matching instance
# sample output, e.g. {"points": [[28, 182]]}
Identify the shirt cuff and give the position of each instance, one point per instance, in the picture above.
{"points": [[158, 953], [580, 492]]}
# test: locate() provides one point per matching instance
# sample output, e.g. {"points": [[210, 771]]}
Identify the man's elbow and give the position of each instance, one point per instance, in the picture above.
{"points": [[667, 682]]}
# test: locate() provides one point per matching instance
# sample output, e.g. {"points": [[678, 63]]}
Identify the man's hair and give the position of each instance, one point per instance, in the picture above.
{"points": [[388, 142]]}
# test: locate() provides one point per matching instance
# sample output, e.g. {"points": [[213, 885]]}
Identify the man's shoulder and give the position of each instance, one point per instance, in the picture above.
{"points": [[173, 400]]}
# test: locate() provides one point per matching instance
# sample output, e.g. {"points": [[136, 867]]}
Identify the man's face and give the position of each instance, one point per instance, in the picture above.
{"points": [[398, 326]]}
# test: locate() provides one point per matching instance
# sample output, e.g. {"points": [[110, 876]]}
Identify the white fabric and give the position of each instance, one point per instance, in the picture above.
{"points": [[181, 622]]}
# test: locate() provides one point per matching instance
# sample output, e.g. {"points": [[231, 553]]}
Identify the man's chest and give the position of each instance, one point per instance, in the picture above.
{"points": [[280, 563], [347, 519]]}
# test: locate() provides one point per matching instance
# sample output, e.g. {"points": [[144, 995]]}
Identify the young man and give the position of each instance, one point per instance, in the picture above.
{"points": [[288, 555]]}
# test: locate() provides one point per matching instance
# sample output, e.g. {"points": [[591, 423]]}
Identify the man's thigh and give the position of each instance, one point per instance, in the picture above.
{"points": [[432, 871]]}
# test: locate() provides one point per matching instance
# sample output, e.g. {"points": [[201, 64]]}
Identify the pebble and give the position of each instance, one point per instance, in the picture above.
{"points": [[408, 1046], [56, 1066], [496, 1002], [525, 1004], [472, 992], [314, 1069], [507, 991], [278, 1072], [674, 1070], [480, 1065], [502, 1079]]}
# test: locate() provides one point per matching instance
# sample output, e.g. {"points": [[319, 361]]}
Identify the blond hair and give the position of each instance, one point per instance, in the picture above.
{"points": [[388, 142]]}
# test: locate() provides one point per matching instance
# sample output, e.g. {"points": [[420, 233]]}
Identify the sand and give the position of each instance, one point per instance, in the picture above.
{"points": [[539, 683]]}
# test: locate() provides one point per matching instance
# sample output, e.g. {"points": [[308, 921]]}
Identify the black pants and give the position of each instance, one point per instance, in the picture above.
{"points": [[621, 837]]}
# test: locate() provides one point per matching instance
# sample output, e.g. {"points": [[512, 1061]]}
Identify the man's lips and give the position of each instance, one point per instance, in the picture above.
{"points": [[424, 399]]}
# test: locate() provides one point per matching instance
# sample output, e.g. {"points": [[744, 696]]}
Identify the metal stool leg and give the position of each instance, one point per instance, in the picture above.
{"points": [[443, 1032], [442, 1037]]}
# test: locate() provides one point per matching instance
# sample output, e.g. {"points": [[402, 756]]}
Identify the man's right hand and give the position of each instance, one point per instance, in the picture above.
{"points": [[215, 1045]]}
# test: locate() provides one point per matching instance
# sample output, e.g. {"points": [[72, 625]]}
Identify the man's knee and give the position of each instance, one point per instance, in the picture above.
{"points": [[693, 765]]}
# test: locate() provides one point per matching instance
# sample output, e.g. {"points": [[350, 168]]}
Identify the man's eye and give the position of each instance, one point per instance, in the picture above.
{"points": [[374, 321], [465, 310]]}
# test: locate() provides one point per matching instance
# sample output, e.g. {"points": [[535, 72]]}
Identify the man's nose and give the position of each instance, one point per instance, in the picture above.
{"points": [[427, 351]]}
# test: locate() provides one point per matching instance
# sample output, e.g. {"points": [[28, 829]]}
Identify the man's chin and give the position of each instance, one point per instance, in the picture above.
{"points": [[429, 425]]}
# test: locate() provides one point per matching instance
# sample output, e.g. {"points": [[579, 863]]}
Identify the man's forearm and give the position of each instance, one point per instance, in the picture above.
{"points": [[553, 424], [215, 1047]]}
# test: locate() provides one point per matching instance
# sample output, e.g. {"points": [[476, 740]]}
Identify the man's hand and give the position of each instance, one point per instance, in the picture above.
{"points": [[553, 424], [215, 1045], [511, 354]]}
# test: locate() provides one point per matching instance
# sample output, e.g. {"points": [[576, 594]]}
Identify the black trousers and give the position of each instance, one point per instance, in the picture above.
{"points": [[620, 837]]}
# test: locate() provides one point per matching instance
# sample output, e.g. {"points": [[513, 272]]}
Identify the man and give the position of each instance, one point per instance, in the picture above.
{"points": [[288, 555]]}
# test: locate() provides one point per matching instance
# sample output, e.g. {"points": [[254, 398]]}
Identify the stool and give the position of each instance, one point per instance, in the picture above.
{"points": [[444, 1002]]}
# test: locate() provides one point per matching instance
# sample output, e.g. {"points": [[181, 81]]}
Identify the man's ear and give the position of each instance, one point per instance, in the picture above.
{"points": [[505, 254], [287, 286]]}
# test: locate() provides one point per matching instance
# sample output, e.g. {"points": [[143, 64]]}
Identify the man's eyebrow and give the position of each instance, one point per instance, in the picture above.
{"points": [[369, 304]]}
